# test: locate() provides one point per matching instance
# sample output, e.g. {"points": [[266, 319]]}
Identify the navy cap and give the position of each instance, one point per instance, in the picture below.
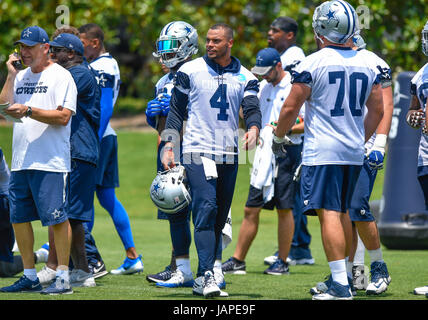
{"points": [[69, 41], [266, 59], [33, 35]]}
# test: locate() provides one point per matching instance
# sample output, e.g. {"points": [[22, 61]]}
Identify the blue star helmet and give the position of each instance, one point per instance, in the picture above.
{"points": [[177, 41], [169, 190], [336, 21], [425, 39], [359, 41]]}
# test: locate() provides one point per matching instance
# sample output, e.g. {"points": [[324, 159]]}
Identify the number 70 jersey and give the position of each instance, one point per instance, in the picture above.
{"points": [[214, 99], [341, 81]]}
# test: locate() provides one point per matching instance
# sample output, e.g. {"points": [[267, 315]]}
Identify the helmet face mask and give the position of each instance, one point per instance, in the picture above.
{"points": [[169, 190], [178, 41], [425, 39], [335, 20]]}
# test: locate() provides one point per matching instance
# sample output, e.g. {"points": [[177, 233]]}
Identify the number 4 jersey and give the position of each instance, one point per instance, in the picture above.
{"points": [[341, 80], [213, 96]]}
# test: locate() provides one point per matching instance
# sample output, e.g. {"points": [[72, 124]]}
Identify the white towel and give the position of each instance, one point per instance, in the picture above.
{"points": [[227, 231], [264, 165], [210, 168]]}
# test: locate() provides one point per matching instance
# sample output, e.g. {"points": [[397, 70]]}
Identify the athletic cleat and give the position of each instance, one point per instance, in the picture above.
{"points": [[23, 285], [46, 275], [178, 280], [292, 261], [160, 276], [421, 290], [210, 286], [359, 277], [278, 268], [129, 266], [271, 259], [80, 278], [322, 287], [59, 286], [336, 291], [232, 266], [198, 288], [379, 278], [98, 270]]}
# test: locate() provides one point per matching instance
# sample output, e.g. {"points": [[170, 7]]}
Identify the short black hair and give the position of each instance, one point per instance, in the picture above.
{"points": [[286, 24], [92, 31], [228, 29]]}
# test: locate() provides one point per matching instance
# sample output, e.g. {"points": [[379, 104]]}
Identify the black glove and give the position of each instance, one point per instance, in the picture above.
{"points": [[279, 144]]}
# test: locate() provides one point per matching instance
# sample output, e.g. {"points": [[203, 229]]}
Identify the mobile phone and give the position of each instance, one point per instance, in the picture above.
{"points": [[18, 65]]}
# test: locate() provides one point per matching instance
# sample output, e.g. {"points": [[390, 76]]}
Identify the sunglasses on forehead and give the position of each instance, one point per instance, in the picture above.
{"points": [[57, 49]]}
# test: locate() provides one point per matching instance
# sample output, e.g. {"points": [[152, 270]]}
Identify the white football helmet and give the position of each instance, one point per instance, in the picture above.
{"points": [[335, 20], [169, 191], [359, 41], [177, 41], [425, 39]]}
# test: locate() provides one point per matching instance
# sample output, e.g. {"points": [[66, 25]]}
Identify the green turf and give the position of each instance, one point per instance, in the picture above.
{"points": [[137, 169]]}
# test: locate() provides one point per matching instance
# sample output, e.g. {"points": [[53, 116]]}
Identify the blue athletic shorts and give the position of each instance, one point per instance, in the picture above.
{"points": [[39, 195], [328, 187], [82, 190], [360, 208], [285, 187], [108, 168]]}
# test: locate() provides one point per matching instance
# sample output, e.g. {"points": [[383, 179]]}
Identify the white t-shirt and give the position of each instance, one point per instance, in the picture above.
{"points": [[37, 145], [271, 100], [292, 57]]}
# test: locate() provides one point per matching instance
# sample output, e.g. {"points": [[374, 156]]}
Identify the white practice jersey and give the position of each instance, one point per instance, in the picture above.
{"points": [[292, 57], [271, 100], [37, 145], [341, 80], [420, 90], [108, 77], [213, 107], [165, 85], [4, 175]]}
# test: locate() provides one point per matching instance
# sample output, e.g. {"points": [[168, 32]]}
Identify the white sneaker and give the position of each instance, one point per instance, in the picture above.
{"points": [[46, 275], [380, 278], [208, 288], [219, 278], [178, 279], [129, 266], [80, 278], [42, 255], [270, 260], [421, 290]]}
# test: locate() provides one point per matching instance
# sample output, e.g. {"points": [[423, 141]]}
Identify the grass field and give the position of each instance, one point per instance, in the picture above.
{"points": [[137, 156]]}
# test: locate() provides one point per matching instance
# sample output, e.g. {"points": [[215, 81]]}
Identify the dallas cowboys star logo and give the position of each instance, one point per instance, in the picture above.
{"points": [[56, 214], [187, 29], [330, 14], [156, 187], [259, 60], [26, 33], [102, 81]]}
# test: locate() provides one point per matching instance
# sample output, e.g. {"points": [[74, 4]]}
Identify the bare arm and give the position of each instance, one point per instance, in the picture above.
{"points": [[375, 111], [6, 94], [59, 116]]}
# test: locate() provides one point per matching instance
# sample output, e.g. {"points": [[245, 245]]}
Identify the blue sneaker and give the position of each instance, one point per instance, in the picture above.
{"points": [[59, 286], [164, 275], [129, 266], [336, 291], [379, 278], [23, 285], [278, 268]]}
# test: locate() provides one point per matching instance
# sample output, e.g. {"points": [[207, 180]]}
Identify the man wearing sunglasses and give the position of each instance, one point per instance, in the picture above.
{"points": [[42, 99]]}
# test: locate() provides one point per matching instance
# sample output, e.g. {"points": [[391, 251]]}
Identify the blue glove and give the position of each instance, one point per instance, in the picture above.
{"points": [[375, 160], [164, 101], [153, 108]]}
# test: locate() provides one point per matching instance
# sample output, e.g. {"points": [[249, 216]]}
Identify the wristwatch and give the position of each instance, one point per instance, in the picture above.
{"points": [[29, 112]]}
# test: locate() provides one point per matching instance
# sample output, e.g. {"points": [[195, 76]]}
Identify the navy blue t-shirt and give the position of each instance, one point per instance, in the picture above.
{"points": [[86, 122]]}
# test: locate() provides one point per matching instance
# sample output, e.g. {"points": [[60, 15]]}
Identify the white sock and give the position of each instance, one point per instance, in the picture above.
{"points": [[217, 265], [375, 255], [31, 274], [359, 253], [62, 272], [183, 264], [338, 271]]}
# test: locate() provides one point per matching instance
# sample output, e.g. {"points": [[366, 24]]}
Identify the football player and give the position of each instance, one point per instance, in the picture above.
{"points": [[336, 82], [177, 43], [211, 90], [416, 119]]}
